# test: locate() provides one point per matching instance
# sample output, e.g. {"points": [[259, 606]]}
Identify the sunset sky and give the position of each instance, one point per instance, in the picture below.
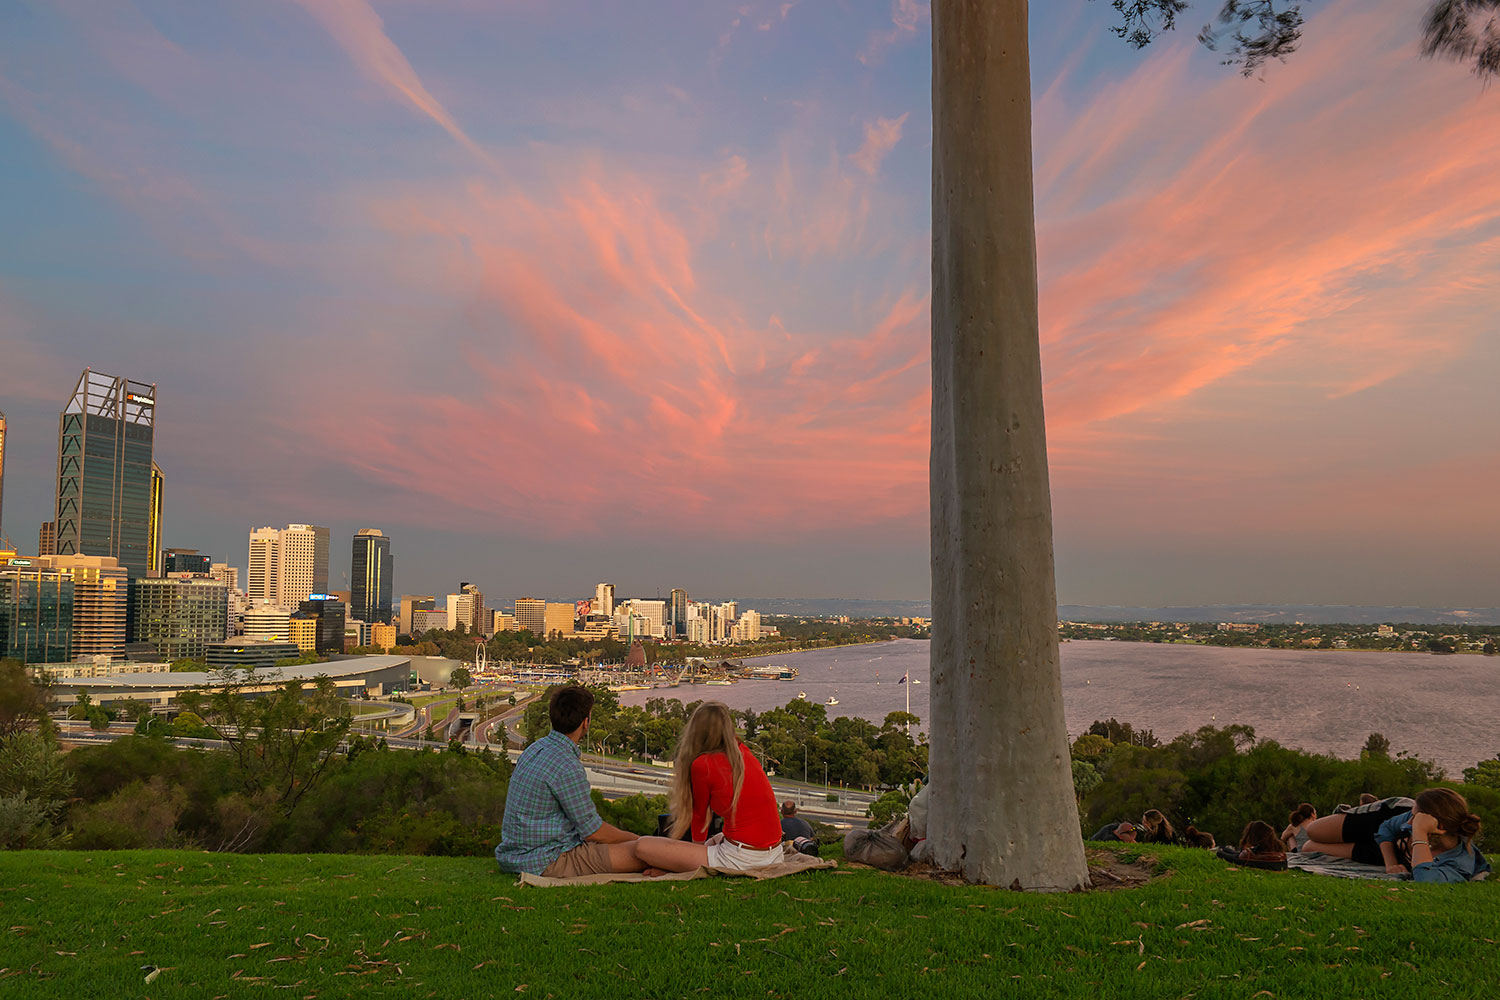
{"points": [[557, 291]]}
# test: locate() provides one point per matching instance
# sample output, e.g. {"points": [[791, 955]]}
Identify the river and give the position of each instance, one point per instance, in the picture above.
{"points": [[1441, 708]]}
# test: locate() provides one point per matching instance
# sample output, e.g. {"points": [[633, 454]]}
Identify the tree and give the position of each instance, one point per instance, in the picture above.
{"points": [[24, 700], [461, 677], [1376, 746], [1002, 784]]}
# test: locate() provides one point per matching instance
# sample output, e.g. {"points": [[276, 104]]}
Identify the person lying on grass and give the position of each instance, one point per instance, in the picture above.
{"points": [[551, 826], [1295, 834], [1122, 832], [1434, 837], [713, 771]]}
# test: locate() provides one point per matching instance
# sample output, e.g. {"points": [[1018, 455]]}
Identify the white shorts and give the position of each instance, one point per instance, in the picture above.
{"points": [[730, 856]]}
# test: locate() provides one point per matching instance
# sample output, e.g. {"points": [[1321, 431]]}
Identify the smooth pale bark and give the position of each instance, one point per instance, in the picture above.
{"points": [[1002, 809]]}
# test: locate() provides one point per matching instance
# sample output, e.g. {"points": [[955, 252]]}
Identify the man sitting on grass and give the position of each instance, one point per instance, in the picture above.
{"points": [[1121, 832], [551, 826]]}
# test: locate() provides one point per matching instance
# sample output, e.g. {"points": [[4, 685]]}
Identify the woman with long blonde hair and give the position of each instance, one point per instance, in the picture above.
{"points": [[713, 772]]}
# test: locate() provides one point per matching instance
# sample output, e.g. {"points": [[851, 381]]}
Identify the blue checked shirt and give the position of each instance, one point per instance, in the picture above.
{"points": [[547, 808]]}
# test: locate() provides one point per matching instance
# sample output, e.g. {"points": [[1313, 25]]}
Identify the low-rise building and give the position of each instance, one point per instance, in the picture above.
{"points": [[249, 654], [383, 636]]}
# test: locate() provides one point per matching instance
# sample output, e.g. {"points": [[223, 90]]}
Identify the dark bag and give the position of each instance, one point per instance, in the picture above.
{"points": [[875, 848], [1271, 861], [664, 826]]}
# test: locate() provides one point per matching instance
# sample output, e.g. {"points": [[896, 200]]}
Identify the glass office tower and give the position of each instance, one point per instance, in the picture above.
{"points": [[2, 475], [178, 617], [370, 577], [104, 489], [36, 613]]}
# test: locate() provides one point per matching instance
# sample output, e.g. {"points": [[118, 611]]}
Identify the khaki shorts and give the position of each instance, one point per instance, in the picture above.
{"points": [[585, 859]]}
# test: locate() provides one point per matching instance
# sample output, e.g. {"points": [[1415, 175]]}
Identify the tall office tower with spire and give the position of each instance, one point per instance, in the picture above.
{"points": [[370, 572], [106, 434]]}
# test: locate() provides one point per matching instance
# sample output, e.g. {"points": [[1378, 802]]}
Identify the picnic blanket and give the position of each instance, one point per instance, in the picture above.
{"points": [[1327, 864], [793, 863]]}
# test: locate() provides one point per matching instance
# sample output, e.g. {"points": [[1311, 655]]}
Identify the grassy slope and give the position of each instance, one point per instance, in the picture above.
{"points": [[80, 925]]}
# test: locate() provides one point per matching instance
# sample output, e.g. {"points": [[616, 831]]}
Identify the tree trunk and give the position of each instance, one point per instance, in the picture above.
{"points": [[1002, 810]]}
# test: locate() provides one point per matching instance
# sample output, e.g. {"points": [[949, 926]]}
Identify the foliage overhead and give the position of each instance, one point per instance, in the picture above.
{"points": [[1251, 32]]}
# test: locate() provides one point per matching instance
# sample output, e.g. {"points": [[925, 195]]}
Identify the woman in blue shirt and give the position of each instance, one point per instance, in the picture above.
{"points": [[1437, 837], [1435, 833]]}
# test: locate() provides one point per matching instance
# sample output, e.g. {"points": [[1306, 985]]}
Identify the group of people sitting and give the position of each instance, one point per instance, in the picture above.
{"points": [[1432, 837], [1154, 828], [551, 827]]}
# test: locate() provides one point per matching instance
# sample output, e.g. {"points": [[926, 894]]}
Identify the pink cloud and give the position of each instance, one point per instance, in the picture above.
{"points": [[881, 137], [360, 32], [907, 17]]}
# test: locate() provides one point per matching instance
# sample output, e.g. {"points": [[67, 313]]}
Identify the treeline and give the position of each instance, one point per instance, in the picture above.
{"points": [[1220, 779], [289, 777], [792, 742], [528, 647]]}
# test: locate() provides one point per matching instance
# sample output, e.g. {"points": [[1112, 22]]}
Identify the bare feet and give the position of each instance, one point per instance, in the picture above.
{"points": [[655, 872]]}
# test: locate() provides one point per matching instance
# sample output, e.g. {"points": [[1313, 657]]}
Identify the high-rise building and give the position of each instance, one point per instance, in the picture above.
{"points": [[383, 637], [370, 572], [36, 613], [655, 613], [289, 565], [502, 622], [604, 600], [153, 534], [466, 608], [104, 451], [46, 539], [302, 628], [427, 620], [261, 583], [101, 602], [531, 615], [178, 615], [2, 475], [677, 614], [331, 616], [410, 604], [226, 574], [304, 563], [187, 561], [267, 623], [747, 629], [558, 619]]}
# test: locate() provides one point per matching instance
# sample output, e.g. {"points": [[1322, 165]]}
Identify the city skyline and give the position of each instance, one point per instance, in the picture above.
{"points": [[661, 318]]}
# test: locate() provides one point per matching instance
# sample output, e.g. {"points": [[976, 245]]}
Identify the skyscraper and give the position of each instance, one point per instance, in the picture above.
{"points": [[104, 450], [677, 614], [304, 564], [46, 539], [264, 564], [289, 565], [410, 605], [186, 561], [330, 615], [2, 475], [153, 537], [36, 613], [531, 615], [604, 600], [370, 572], [178, 616], [467, 608], [100, 602]]}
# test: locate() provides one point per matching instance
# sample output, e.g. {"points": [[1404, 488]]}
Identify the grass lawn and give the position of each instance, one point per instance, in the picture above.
{"points": [[77, 925]]}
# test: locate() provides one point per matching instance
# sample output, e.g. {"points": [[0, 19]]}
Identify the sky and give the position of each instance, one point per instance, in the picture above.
{"points": [[555, 291]]}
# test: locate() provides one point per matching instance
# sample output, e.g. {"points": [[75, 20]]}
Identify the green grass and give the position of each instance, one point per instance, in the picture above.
{"points": [[77, 925]]}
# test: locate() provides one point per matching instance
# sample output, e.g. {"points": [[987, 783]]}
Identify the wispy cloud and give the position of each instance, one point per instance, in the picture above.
{"points": [[881, 136], [907, 18], [360, 32]]}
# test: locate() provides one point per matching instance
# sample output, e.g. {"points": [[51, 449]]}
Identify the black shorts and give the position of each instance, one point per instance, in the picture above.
{"points": [[1360, 830]]}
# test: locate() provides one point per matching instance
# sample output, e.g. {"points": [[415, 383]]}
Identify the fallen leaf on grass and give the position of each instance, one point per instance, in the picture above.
{"points": [[1193, 923], [263, 944]]}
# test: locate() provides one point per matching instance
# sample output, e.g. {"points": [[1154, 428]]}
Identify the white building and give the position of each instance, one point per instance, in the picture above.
{"points": [[267, 622], [655, 614], [287, 565], [426, 621], [265, 562], [604, 600]]}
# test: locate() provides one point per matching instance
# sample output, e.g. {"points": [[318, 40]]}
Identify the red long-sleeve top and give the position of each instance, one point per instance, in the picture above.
{"points": [[755, 821]]}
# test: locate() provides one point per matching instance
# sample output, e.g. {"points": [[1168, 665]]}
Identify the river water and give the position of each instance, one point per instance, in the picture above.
{"points": [[1441, 708]]}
